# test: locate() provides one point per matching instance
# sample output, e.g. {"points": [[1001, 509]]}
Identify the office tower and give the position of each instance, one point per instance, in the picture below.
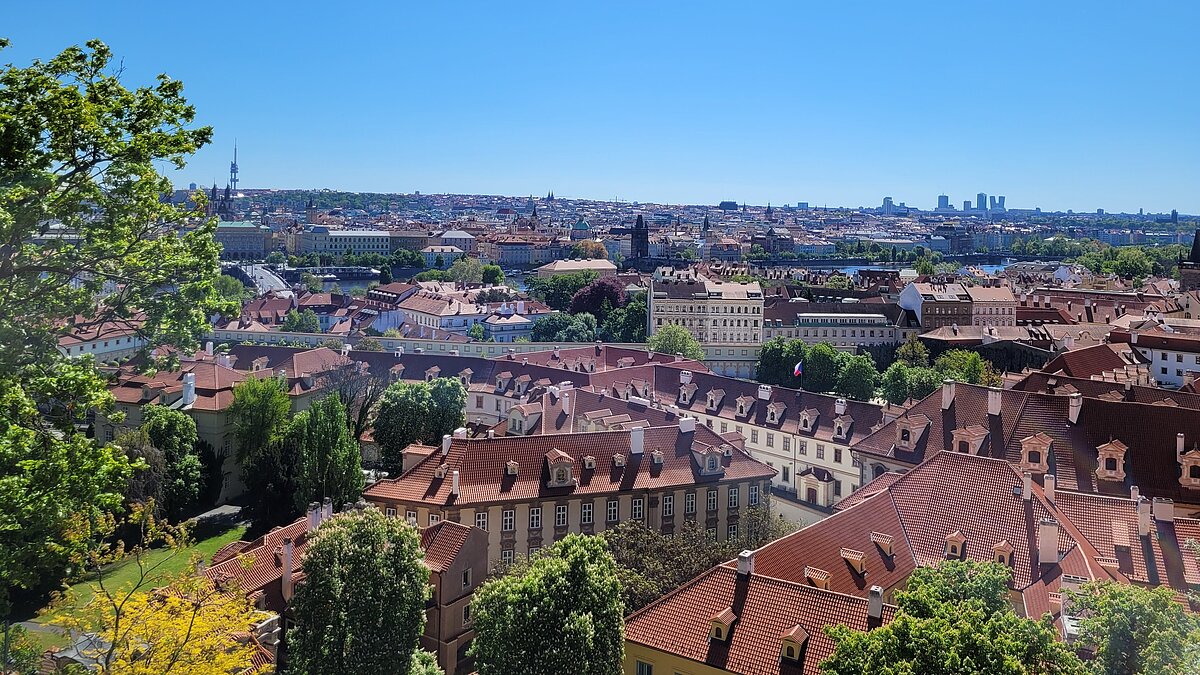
{"points": [[1000, 202], [966, 205], [943, 202], [981, 201], [887, 206]]}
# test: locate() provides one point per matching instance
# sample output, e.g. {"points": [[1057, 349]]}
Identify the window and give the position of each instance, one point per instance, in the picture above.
{"points": [[712, 500], [638, 507], [753, 495], [837, 487], [613, 506], [560, 475], [731, 532], [479, 402], [1179, 358], [585, 513], [754, 435], [508, 520], [711, 463], [466, 578], [506, 556], [644, 668], [535, 518], [434, 519], [803, 448], [689, 502], [389, 511], [1110, 464], [560, 515], [770, 440], [411, 517], [1164, 372], [711, 533], [733, 498], [668, 505], [820, 451], [787, 443], [837, 455], [724, 427], [481, 520], [787, 471]]}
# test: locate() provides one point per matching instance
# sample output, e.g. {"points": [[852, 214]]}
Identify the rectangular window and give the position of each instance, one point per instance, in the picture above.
{"points": [[787, 443], [612, 513], [689, 502], [754, 435], [638, 507], [506, 556], [837, 487], [585, 513], [668, 505], [466, 578], [644, 668], [837, 455], [733, 498], [535, 518], [389, 511], [724, 427], [731, 532], [481, 520], [479, 403], [508, 520], [711, 532], [712, 500], [533, 550], [434, 519], [787, 474], [820, 451], [411, 517], [753, 495], [560, 515], [770, 440], [804, 448]]}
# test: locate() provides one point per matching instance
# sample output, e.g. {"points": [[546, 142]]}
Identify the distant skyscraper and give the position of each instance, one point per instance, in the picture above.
{"points": [[981, 201], [966, 205], [887, 206], [943, 202], [1000, 202]]}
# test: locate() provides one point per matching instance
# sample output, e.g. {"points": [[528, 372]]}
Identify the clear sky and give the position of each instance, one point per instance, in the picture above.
{"points": [[1062, 105]]}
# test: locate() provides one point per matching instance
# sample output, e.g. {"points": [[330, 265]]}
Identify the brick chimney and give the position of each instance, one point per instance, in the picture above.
{"points": [[1143, 516], [947, 393], [286, 572], [1076, 404], [995, 399], [1048, 487], [637, 440], [746, 563], [1048, 541]]}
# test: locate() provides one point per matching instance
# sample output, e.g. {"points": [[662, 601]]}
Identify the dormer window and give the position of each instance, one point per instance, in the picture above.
{"points": [[711, 464], [722, 624], [744, 403], [510, 468], [883, 541], [715, 397], [793, 644], [909, 430], [440, 471], [1035, 452], [841, 427], [956, 544], [808, 419], [560, 465], [465, 376], [1111, 460], [618, 460], [775, 412], [1002, 553], [1190, 462], [589, 462], [685, 393], [969, 440], [856, 559], [905, 436], [432, 373], [656, 457], [819, 578]]}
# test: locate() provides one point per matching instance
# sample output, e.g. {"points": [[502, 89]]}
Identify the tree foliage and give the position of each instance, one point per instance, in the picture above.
{"points": [[966, 366], [894, 384], [493, 275], [328, 460], [557, 291], [626, 323], [173, 433], [589, 249], [650, 564], [599, 298], [260, 411], [822, 367], [857, 378], [1136, 630], [913, 353], [673, 339], [361, 606], [467, 270], [417, 412], [568, 596], [562, 327], [301, 322]]}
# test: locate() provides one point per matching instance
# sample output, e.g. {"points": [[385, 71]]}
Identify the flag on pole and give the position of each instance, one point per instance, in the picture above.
{"points": [[799, 368]]}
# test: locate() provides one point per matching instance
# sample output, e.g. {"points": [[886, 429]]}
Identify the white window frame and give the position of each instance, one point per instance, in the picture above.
{"points": [[535, 517], [508, 520]]}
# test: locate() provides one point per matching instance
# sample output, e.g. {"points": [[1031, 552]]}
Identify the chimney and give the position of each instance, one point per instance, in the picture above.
{"points": [[1178, 446], [1048, 541], [1133, 337], [685, 377], [1164, 510], [281, 374], [286, 576], [746, 563], [190, 389], [839, 406], [678, 357], [1128, 391], [208, 348], [445, 444], [637, 440], [460, 432], [314, 516], [764, 392], [947, 393], [1048, 487], [345, 349], [1134, 493], [875, 603], [1026, 486], [687, 425], [556, 352], [454, 482], [1069, 342], [995, 399], [1143, 514], [491, 434], [223, 359], [326, 509], [1076, 405]]}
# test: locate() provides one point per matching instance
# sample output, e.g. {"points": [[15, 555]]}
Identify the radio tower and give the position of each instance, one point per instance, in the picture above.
{"points": [[233, 169]]}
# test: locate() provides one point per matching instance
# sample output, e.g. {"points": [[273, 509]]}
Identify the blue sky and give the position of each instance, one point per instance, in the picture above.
{"points": [[1061, 105]]}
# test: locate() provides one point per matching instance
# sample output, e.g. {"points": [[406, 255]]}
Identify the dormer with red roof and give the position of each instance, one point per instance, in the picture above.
{"points": [[686, 391], [775, 411], [722, 624], [956, 545], [1111, 460], [909, 429], [841, 427], [1189, 462], [560, 466], [1035, 452], [715, 396], [808, 419], [744, 405], [432, 373], [969, 440]]}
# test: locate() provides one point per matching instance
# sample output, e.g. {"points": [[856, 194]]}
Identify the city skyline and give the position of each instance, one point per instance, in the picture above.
{"points": [[771, 104]]}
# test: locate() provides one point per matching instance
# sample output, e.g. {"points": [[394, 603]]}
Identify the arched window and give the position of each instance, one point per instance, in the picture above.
{"points": [[560, 475], [791, 652], [712, 463], [953, 549], [905, 435]]}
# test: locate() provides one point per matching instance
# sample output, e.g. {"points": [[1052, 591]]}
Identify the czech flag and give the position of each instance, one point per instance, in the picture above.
{"points": [[799, 369]]}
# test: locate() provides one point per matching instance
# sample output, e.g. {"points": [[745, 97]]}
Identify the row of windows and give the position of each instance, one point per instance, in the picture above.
{"points": [[1162, 356], [712, 309]]}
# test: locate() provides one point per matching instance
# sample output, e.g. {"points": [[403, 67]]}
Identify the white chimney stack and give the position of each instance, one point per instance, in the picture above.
{"points": [[947, 393], [326, 509], [764, 392], [1076, 404], [286, 577], [223, 359], [875, 603], [746, 563], [208, 348], [1179, 446], [1134, 493], [454, 482], [1048, 541], [685, 377], [1143, 516], [1164, 510], [687, 425], [637, 440], [314, 516], [1133, 337], [995, 400], [1026, 486], [445, 444], [189, 388], [460, 432], [345, 349], [839, 406], [1048, 487]]}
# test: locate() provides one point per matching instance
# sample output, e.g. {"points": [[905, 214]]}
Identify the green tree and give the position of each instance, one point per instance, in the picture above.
{"points": [[953, 618], [476, 331], [361, 606], [626, 324], [404, 411], [772, 361], [562, 327], [913, 353], [78, 162], [651, 564], [301, 322], [894, 384], [174, 434], [328, 460], [1136, 630], [369, 344], [839, 281], [467, 271], [276, 258], [557, 291], [924, 267], [568, 596], [385, 274], [493, 275], [439, 262], [923, 381], [967, 366], [424, 663], [231, 290], [449, 398], [260, 412], [821, 368], [857, 378], [673, 339], [311, 283]]}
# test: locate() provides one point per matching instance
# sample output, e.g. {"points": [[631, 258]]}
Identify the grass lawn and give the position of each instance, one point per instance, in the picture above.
{"points": [[166, 563]]}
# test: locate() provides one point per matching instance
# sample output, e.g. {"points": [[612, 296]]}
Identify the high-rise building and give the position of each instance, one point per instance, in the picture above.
{"points": [[981, 201], [966, 205], [943, 202], [887, 206], [1000, 202]]}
